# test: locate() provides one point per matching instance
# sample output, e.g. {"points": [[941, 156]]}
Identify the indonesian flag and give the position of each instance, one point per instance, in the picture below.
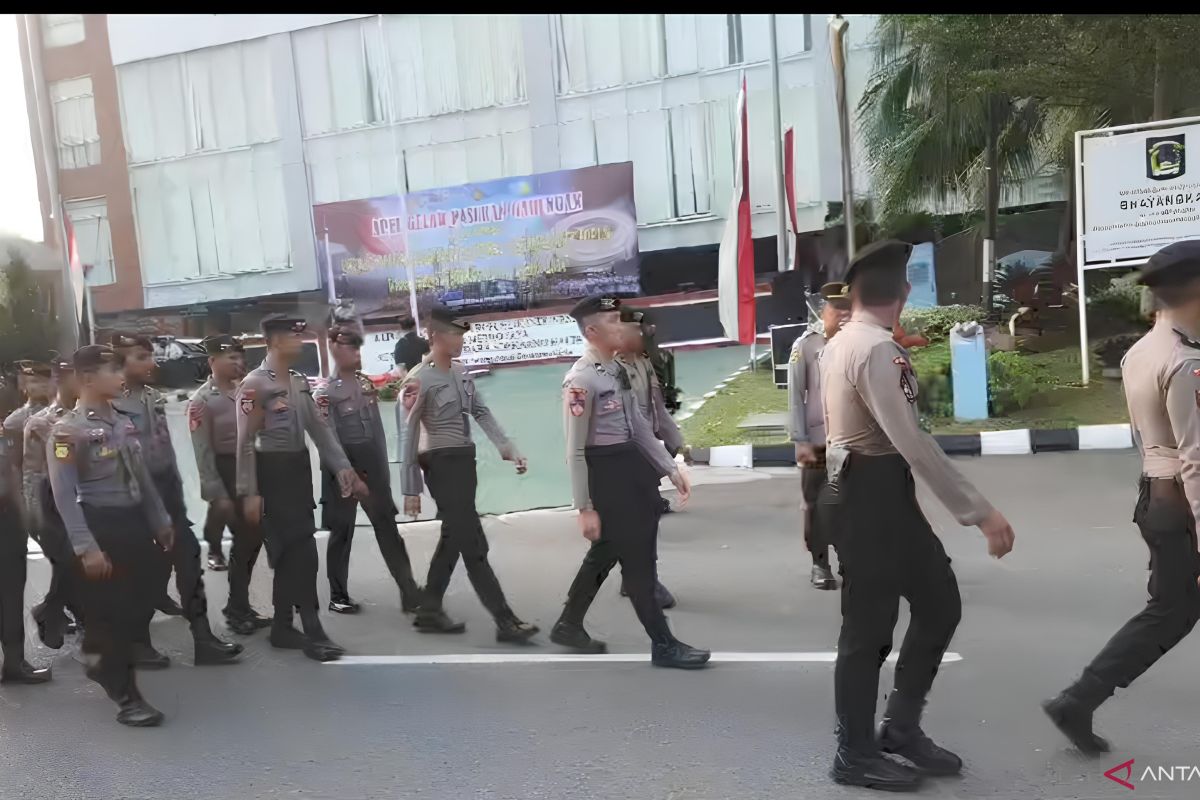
{"points": [[75, 268], [789, 188], [735, 261]]}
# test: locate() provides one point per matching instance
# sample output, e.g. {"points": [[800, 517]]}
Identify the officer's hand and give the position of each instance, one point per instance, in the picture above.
{"points": [[412, 506], [522, 464], [252, 507], [96, 566], [166, 538], [589, 525], [683, 486], [224, 507], [999, 534], [806, 454], [359, 489]]}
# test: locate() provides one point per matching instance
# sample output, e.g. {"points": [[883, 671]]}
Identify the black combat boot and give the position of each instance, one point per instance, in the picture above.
{"points": [[900, 734], [134, 710], [858, 762], [436, 621], [822, 577], [572, 634], [670, 652], [209, 649], [245, 623], [344, 605], [411, 596], [146, 657], [51, 624], [318, 646], [217, 562], [1071, 712], [513, 630], [18, 670]]}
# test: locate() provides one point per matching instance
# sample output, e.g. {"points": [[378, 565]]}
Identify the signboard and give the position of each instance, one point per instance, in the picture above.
{"points": [[501, 245], [1138, 191]]}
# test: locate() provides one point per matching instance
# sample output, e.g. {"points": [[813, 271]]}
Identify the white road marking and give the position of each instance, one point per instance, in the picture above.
{"points": [[827, 657]]}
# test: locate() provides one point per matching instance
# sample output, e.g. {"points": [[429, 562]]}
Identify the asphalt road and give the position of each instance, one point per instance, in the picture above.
{"points": [[281, 726]]}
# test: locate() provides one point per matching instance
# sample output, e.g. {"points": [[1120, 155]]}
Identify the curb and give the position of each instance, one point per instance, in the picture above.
{"points": [[985, 443]]}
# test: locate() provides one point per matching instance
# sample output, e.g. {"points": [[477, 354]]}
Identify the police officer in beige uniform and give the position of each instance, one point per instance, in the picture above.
{"points": [[349, 404], [212, 420], [45, 524], [1162, 387], [146, 407], [886, 548], [615, 463], [117, 526], [806, 424], [274, 480], [437, 402]]}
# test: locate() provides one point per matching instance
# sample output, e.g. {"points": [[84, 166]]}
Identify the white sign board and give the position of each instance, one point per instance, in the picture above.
{"points": [[1139, 190]]}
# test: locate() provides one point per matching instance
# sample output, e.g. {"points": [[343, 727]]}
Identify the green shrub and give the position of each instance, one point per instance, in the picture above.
{"points": [[935, 323], [1012, 381], [1120, 300], [935, 391]]}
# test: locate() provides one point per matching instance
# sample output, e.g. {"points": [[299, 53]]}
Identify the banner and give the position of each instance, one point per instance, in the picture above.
{"points": [[502, 245], [1138, 193], [735, 255]]}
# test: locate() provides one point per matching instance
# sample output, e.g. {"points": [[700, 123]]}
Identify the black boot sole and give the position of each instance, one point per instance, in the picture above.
{"points": [[150, 721], [1095, 746], [680, 664], [518, 636], [591, 647], [323, 652], [219, 658], [862, 782], [458, 627]]}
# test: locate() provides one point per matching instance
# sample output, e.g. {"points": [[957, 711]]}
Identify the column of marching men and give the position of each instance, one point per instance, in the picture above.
{"points": [[92, 475]]}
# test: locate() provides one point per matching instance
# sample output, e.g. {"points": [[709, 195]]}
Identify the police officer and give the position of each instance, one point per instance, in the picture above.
{"points": [[410, 347], [44, 522], [34, 379], [274, 478], [212, 420], [439, 399], [886, 548], [349, 404], [806, 424], [615, 463], [1162, 387], [146, 407], [113, 515]]}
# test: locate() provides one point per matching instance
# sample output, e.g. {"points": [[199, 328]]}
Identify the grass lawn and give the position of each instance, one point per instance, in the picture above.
{"points": [[1062, 403]]}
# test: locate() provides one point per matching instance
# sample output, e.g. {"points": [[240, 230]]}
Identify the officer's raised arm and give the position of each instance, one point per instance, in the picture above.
{"points": [[249, 422], [578, 399], [409, 406], [212, 489], [62, 448], [1182, 394], [889, 388]]}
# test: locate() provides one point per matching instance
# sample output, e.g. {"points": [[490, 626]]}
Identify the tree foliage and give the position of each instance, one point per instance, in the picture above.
{"points": [[28, 328]]}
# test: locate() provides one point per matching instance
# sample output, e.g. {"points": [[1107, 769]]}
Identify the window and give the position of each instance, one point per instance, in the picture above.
{"points": [[600, 51], [59, 30], [89, 219], [75, 123], [714, 41]]}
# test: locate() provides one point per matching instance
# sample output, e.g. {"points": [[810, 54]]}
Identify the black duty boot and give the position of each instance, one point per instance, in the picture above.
{"points": [[135, 711], [318, 646], [411, 596], [246, 622], [822, 577], [285, 636], [344, 605], [872, 770], [210, 649], [900, 734], [217, 562], [1073, 717], [18, 670], [51, 624], [572, 635], [169, 607], [515, 631], [437, 622], [146, 657], [674, 653]]}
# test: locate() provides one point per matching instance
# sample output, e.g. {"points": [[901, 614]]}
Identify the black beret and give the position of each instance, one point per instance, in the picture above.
{"points": [[92, 357], [222, 343], [61, 366], [121, 340], [283, 323], [1174, 264], [345, 334], [445, 319], [596, 304], [32, 368], [889, 253]]}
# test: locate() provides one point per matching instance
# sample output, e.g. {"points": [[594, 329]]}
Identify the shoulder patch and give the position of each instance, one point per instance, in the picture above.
{"points": [[246, 402], [576, 400]]}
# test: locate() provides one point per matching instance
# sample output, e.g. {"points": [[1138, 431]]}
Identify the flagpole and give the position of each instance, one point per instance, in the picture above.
{"points": [[837, 32], [781, 245]]}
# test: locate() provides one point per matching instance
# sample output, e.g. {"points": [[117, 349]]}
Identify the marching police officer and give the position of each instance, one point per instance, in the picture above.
{"points": [[1162, 387], [212, 420], [349, 403], [885, 546], [439, 399], [615, 463], [146, 407], [113, 515], [45, 523], [34, 379], [807, 424], [274, 478]]}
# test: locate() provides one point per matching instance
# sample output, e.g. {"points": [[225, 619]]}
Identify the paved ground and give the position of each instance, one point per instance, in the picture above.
{"points": [[281, 726]]}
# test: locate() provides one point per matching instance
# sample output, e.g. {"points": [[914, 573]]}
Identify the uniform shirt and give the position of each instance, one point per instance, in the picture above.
{"points": [[648, 392], [14, 434], [599, 408], [94, 456], [275, 409], [806, 417], [37, 433], [212, 420], [1161, 375], [434, 412], [350, 406], [869, 393], [146, 407]]}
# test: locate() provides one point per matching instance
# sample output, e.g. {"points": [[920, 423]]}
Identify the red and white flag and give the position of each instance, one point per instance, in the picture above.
{"points": [[74, 267], [789, 188], [735, 260]]}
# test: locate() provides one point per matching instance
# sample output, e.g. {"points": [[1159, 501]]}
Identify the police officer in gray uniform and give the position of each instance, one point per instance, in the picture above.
{"points": [[437, 401], [806, 420], [117, 526], [212, 420], [146, 407], [349, 404], [615, 464], [274, 478]]}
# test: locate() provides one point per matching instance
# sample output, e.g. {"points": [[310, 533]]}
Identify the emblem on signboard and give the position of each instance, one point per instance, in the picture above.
{"points": [[1165, 157]]}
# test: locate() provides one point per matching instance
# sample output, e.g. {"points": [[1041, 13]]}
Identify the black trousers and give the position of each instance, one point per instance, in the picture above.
{"points": [[886, 550], [339, 514], [117, 611], [247, 539], [13, 546], [452, 480], [288, 525], [1168, 528], [185, 554], [816, 533], [624, 490]]}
